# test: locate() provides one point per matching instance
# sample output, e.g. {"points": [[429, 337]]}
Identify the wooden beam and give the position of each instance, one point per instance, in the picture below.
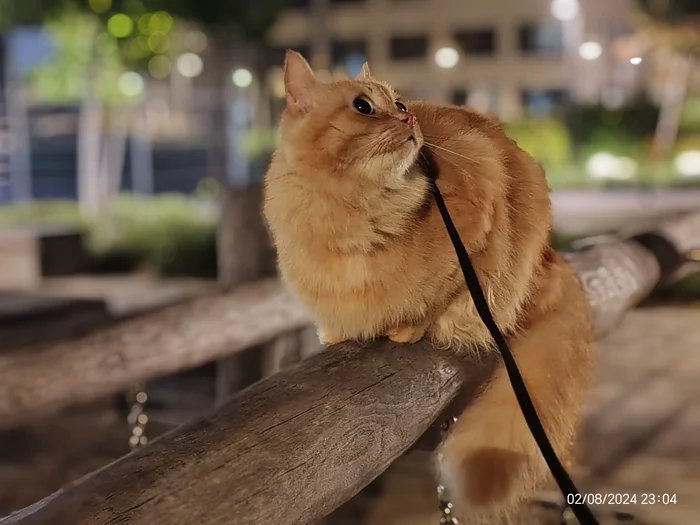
{"points": [[295, 446], [46, 377], [287, 450]]}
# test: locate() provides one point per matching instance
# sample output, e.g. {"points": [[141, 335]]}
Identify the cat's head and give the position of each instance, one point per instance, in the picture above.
{"points": [[358, 125]]}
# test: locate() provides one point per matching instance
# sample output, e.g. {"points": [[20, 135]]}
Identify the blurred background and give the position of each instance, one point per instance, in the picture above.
{"points": [[128, 128], [112, 107]]}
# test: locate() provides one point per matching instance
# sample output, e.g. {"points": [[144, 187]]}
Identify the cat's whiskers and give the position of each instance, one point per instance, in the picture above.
{"points": [[473, 160], [454, 164]]}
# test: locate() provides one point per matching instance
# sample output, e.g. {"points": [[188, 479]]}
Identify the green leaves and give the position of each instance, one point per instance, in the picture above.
{"points": [[245, 19]]}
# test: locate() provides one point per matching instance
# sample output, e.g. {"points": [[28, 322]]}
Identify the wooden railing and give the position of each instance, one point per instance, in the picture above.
{"points": [[49, 376], [295, 446]]}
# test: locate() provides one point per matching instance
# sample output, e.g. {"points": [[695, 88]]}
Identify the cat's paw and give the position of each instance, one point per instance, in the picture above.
{"points": [[407, 333], [329, 338]]}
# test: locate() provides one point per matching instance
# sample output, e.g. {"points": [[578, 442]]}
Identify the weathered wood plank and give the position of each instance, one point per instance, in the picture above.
{"points": [[45, 377], [287, 450]]}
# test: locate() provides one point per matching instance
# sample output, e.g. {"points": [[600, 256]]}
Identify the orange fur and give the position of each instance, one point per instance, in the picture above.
{"points": [[364, 246]]}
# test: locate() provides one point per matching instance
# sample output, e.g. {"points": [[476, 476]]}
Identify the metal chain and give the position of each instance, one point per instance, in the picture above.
{"points": [[446, 516], [137, 418]]}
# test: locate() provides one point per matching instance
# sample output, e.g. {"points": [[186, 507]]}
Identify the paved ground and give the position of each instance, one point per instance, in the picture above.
{"points": [[641, 436]]}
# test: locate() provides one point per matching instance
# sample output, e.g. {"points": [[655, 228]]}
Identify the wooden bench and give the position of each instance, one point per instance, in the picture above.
{"points": [[50, 376]]}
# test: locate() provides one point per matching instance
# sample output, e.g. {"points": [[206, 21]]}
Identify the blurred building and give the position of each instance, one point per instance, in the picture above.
{"points": [[501, 56]]}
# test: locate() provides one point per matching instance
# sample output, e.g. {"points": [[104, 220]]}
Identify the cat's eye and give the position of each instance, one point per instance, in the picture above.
{"points": [[401, 105], [361, 105]]}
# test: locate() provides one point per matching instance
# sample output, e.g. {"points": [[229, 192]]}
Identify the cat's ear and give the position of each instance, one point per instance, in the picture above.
{"points": [[299, 82], [364, 72]]}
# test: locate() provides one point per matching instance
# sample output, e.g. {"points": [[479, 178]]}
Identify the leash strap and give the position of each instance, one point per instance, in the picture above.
{"points": [[566, 485]]}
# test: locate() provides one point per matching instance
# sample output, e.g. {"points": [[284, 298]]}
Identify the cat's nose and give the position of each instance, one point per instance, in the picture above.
{"points": [[409, 119]]}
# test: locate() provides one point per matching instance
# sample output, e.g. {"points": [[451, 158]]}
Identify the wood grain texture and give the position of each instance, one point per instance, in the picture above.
{"points": [[45, 377], [288, 450]]}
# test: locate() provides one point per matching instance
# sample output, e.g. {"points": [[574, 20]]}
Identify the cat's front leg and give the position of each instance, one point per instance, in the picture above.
{"points": [[328, 337], [408, 332]]}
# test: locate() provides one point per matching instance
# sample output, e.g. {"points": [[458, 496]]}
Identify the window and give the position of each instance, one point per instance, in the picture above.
{"points": [[350, 54], [459, 97], [541, 39], [543, 102], [476, 41], [408, 47], [274, 55]]}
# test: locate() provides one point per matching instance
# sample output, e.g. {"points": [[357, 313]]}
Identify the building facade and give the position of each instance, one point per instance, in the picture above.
{"points": [[513, 56]]}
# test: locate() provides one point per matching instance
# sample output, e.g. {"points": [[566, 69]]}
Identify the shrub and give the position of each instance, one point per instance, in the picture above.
{"points": [[170, 235]]}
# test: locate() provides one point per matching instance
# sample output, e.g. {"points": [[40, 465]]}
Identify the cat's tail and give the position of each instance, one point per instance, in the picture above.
{"points": [[490, 462]]}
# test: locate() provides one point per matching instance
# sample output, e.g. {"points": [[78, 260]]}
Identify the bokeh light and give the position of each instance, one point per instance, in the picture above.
{"points": [[189, 65], [131, 84], [120, 25], [100, 6], [242, 78], [159, 42], [144, 24], [138, 47], [607, 166], [590, 50], [635, 61], [565, 10], [446, 57], [159, 67], [160, 22], [687, 163], [196, 41]]}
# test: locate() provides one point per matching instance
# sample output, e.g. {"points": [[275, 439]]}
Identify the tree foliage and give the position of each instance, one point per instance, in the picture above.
{"points": [[79, 41], [245, 19]]}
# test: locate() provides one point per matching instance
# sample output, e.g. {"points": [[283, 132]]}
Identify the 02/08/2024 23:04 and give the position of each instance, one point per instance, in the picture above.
{"points": [[618, 498]]}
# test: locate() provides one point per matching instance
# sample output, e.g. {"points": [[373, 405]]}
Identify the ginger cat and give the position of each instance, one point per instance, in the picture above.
{"points": [[361, 240]]}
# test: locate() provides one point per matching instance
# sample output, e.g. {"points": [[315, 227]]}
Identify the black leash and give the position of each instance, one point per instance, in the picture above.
{"points": [[566, 485]]}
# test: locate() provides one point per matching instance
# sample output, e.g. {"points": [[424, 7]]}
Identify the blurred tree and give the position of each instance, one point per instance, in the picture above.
{"points": [[235, 29], [673, 25]]}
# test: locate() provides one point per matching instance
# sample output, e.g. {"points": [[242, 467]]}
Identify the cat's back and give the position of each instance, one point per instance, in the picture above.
{"points": [[451, 121]]}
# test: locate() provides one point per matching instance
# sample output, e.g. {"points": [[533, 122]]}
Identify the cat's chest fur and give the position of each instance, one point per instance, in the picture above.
{"points": [[349, 260]]}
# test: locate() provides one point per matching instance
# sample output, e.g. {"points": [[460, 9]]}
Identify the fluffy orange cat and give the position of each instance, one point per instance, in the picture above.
{"points": [[361, 240]]}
